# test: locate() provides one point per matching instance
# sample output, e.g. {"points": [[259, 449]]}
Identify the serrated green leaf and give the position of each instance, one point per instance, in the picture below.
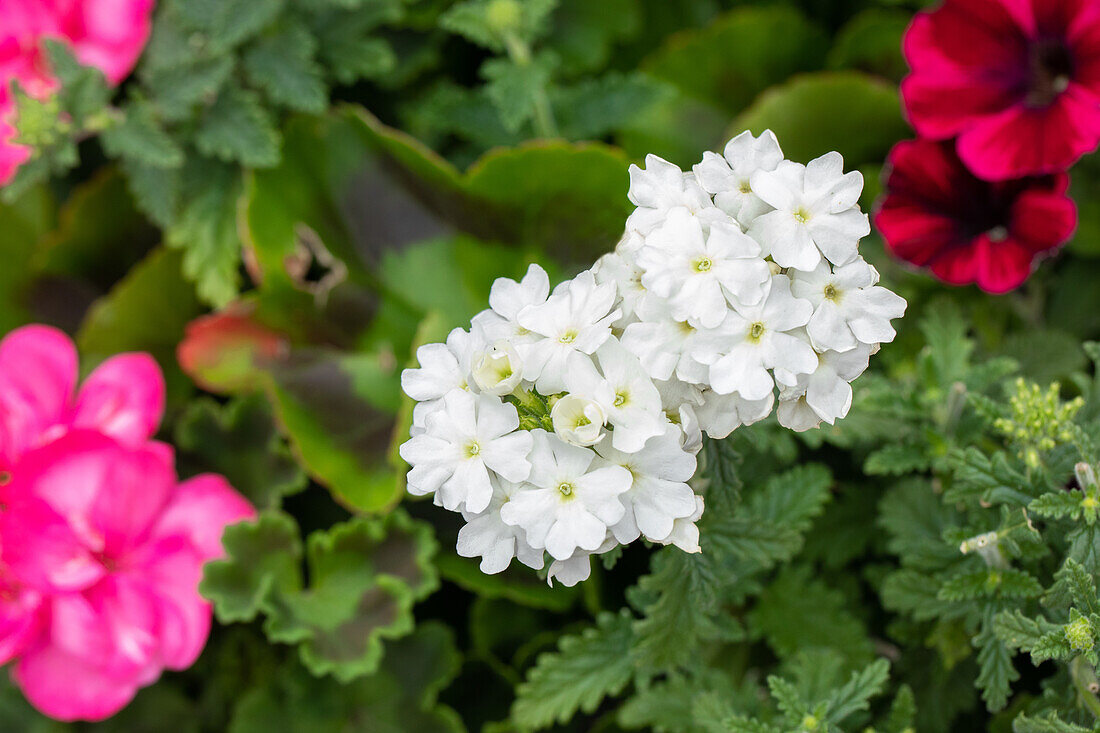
{"points": [[491, 23], [179, 89], [996, 673], [516, 89], [1049, 724], [584, 670], [855, 695], [897, 459], [240, 442], [237, 129], [140, 137], [283, 66], [1058, 504], [594, 108], [206, 229], [225, 24]]}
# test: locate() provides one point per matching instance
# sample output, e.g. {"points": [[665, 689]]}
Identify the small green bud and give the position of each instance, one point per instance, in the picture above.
{"points": [[1079, 634], [810, 723], [504, 16]]}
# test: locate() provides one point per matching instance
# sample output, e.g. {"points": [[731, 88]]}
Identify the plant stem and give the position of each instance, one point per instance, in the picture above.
{"points": [[1084, 681], [520, 53]]}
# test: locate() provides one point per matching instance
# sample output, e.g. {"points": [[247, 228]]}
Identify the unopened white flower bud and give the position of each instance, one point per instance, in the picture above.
{"points": [[498, 370], [578, 420]]}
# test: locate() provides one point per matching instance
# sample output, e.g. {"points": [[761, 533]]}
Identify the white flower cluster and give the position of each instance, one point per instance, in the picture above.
{"points": [[568, 422]]}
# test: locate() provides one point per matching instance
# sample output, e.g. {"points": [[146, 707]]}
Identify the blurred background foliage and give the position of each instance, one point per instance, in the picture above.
{"points": [[291, 196]]}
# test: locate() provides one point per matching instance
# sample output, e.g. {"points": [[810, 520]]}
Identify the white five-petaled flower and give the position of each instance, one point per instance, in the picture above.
{"points": [[443, 367], [698, 272], [720, 415], [498, 370], [578, 567], [661, 186], [757, 341], [627, 276], [685, 534], [506, 299], [849, 308], [486, 536], [805, 400], [729, 176], [575, 318], [624, 392], [667, 347], [659, 494], [566, 504], [466, 438], [815, 212], [578, 420]]}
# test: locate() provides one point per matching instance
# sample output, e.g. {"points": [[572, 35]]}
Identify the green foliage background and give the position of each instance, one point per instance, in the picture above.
{"points": [[341, 180]]}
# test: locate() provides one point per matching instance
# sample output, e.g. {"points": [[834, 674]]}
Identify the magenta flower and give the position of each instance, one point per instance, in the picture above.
{"points": [[1018, 81], [100, 562], [936, 214], [106, 34], [123, 397]]}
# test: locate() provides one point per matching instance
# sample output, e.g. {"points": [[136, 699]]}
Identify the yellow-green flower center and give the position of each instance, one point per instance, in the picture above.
{"points": [[756, 331]]}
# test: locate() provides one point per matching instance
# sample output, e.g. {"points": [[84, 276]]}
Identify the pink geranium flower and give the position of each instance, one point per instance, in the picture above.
{"points": [[39, 401], [101, 556], [106, 34], [1018, 81], [936, 214]]}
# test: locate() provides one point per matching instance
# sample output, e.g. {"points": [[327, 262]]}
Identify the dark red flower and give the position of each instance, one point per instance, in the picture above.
{"points": [[1018, 81], [938, 215]]}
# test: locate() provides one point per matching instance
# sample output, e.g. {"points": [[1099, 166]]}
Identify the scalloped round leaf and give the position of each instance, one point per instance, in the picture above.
{"points": [[850, 112], [739, 54]]}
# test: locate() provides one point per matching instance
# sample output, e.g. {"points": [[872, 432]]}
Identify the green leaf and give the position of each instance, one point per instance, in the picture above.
{"points": [[896, 459], [857, 692], [796, 612], [227, 23], [584, 34], [871, 42], [738, 55], [237, 129], [140, 137], [593, 108], [401, 696], [990, 583], [240, 442], [283, 66], [584, 670], [364, 577], [996, 673], [1049, 724], [145, 311], [491, 23], [206, 230], [84, 89], [24, 221], [515, 89], [849, 112], [178, 90], [1058, 504]]}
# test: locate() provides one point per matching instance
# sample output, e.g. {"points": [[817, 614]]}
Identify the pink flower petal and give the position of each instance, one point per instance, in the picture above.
{"points": [[42, 551], [172, 569], [68, 688], [137, 487], [201, 509], [38, 367], [20, 617], [123, 397]]}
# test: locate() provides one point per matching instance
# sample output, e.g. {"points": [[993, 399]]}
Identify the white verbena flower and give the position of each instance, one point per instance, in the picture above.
{"points": [[698, 272], [577, 567], [564, 505], [685, 534], [720, 415], [659, 494], [729, 176], [576, 318], [578, 420], [667, 347], [506, 299], [627, 276], [680, 400], [625, 393], [825, 395], [849, 308], [499, 369], [443, 367], [486, 536], [758, 341], [661, 186], [468, 437], [815, 212]]}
